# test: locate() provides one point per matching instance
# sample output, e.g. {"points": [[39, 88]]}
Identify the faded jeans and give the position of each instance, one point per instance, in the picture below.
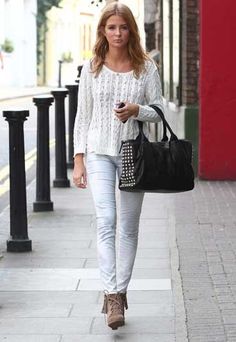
{"points": [[115, 271]]}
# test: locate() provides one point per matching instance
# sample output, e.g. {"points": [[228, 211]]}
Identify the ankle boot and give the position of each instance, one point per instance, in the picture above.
{"points": [[124, 300], [113, 307]]}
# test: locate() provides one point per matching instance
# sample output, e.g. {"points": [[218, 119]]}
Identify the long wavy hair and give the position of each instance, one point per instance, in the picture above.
{"points": [[135, 51]]}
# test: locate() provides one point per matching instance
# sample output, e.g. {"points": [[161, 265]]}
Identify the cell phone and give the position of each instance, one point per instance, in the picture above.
{"points": [[121, 105]]}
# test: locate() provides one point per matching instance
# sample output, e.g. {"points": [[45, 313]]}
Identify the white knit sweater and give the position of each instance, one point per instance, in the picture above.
{"points": [[97, 129]]}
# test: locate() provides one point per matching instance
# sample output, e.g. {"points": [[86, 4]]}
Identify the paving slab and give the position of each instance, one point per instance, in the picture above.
{"points": [[145, 337], [159, 263], [135, 310], [49, 297], [148, 273], [139, 325], [34, 261], [44, 279], [88, 338], [135, 285], [33, 310], [116, 337], [60, 221], [156, 298], [30, 338], [48, 325]]}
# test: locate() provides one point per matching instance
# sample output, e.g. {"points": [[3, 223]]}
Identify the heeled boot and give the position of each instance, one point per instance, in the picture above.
{"points": [[113, 307]]}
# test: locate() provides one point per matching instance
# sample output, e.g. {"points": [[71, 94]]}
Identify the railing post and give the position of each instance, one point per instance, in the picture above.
{"points": [[18, 241], [73, 100], [43, 201], [61, 180]]}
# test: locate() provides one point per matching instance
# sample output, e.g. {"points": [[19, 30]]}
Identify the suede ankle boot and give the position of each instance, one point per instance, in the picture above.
{"points": [[124, 300], [113, 307]]}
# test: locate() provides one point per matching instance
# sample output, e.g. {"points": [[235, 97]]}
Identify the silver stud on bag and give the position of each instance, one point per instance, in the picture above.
{"points": [[127, 176]]}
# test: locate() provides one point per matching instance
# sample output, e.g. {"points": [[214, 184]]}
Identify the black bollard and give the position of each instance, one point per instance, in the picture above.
{"points": [[43, 201], [79, 69], [61, 180], [18, 241], [59, 72], [73, 100]]}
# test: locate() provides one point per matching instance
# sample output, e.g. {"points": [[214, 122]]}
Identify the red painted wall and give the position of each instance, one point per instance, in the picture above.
{"points": [[217, 149]]}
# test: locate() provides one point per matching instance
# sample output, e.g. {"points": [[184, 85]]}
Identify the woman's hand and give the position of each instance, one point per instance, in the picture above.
{"points": [[79, 172], [124, 113]]}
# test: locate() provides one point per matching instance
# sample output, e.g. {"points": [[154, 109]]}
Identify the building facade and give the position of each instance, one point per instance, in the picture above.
{"points": [[197, 63], [177, 42], [18, 28]]}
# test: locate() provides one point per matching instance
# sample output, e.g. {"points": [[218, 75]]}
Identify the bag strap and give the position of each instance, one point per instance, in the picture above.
{"points": [[142, 136], [164, 138], [165, 124], [160, 113]]}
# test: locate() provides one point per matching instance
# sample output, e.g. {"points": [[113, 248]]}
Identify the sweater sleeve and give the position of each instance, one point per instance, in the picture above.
{"points": [[153, 95], [84, 110]]}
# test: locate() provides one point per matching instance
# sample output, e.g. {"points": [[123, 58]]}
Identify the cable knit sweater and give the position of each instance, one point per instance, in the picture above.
{"points": [[97, 129]]}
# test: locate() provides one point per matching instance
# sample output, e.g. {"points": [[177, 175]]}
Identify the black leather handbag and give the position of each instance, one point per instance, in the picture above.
{"points": [[164, 166]]}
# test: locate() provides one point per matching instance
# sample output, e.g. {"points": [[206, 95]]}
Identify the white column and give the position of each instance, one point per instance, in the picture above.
{"points": [[29, 43], [14, 31], [2, 7], [19, 26]]}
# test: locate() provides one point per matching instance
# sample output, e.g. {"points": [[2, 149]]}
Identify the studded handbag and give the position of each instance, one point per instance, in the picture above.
{"points": [[162, 166]]}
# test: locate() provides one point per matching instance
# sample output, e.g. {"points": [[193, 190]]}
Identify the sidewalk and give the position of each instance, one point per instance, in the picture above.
{"points": [[184, 281], [54, 293], [205, 222]]}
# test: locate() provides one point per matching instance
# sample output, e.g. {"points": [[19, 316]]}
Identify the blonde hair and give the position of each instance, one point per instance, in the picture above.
{"points": [[135, 51]]}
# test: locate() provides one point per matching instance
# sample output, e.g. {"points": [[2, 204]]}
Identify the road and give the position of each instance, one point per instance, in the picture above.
{"points": [[30, 135]]}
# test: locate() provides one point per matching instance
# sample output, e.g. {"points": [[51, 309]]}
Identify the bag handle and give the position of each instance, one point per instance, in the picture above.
{"points": [[143, 137], [160, 113], [165, 124]]}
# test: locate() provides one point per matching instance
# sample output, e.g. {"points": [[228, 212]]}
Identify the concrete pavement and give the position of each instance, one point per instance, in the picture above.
{"points": [[205, 222], [179, 292], [54, 293]]}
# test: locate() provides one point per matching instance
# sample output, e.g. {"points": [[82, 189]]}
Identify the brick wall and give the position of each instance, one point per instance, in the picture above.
{"points": [[190, 51]]}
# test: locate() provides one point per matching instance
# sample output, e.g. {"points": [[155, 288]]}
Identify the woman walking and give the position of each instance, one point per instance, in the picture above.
{"points": [[116, 86]]}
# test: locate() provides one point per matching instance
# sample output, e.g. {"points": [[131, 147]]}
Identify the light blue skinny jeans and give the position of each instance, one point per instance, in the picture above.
{"points": [[115, 268]]}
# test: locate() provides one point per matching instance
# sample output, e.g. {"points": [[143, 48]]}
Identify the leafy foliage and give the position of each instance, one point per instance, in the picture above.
{"points": [[67, 57], [96, 2], [7, 46]]}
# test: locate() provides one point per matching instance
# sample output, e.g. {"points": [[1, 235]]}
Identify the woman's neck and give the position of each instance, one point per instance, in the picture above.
{"points": [[118, 60]]}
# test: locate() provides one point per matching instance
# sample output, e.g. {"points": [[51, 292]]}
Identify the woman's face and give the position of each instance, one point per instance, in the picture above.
{"points": [[116, 32]]}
